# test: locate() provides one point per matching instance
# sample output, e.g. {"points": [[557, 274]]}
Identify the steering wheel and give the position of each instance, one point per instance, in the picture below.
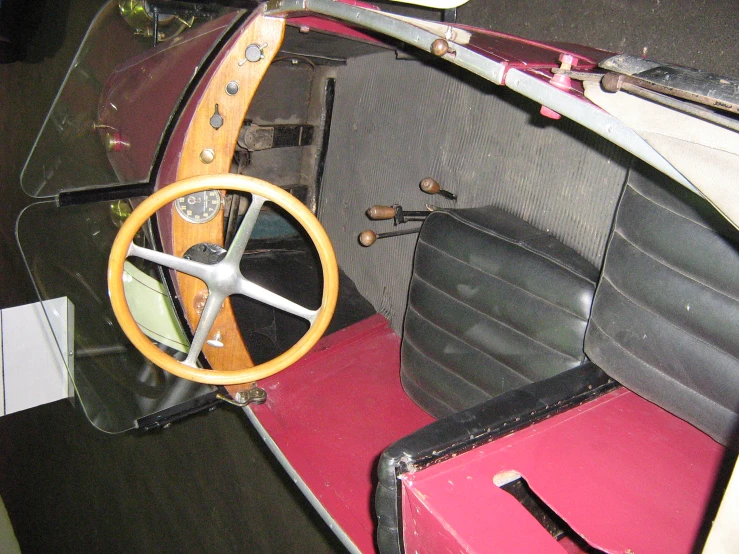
{"points": [[223, 278]]}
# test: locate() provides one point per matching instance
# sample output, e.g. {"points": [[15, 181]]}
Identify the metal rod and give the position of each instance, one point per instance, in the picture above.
{"points": [[613, 82], [156, 25], [396, 213]]}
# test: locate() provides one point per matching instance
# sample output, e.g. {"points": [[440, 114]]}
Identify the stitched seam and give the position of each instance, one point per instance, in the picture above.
{"points": [[667, 321], [494, 319], [461, 340], [676, 270], [492, 359], [522, 244], [410, 377], [497, 278], [447, 370], [662, 373], [668, 209]]}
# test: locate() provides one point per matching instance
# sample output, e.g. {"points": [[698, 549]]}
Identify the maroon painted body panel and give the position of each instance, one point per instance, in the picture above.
{"points": [[626, 475], [535, 58], [335, 411], [139, 97], [520, 53], [469, 526], [320, 24], [323, 24]]}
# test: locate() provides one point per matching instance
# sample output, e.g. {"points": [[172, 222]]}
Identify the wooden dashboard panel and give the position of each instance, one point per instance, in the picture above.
{"points": [[207, 151]]}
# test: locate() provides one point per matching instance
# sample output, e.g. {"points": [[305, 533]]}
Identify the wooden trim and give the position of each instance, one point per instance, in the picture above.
{"points": [[202, 136]]}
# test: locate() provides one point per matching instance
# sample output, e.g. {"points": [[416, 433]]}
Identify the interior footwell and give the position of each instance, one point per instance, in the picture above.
{"points": [[289, 267]]}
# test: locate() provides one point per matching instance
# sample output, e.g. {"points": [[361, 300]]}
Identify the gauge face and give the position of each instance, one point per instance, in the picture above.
{"points": [[199, 207]]}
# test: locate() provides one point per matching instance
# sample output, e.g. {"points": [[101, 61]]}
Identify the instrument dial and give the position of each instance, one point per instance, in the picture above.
{"points": [[199, 207]]}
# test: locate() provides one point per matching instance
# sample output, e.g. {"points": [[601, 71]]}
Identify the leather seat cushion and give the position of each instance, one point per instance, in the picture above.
{"points": [[494, 304]]}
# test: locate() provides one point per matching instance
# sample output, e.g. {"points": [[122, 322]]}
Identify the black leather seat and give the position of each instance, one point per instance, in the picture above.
{"points": [[494, 304], [665, 320], [664, 323]]}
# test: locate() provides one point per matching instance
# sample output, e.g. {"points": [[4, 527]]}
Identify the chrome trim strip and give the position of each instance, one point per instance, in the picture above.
{"points": [[285, 463]]}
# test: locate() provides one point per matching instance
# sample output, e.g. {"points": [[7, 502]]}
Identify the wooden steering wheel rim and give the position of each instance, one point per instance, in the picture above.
{"points": [[241, 183]]}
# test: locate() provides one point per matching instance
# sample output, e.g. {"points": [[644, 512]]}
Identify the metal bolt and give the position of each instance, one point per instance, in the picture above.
{"points": [[240, 397], [567, 61], [207, 156], [258, 396], [243, 398], [216, 341], [253, 53], [560, 80], [612, 82], [114, 142], [216, 120]]}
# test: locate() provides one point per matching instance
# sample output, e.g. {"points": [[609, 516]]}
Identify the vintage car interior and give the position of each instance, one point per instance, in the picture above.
{"points": [[467, 299]]}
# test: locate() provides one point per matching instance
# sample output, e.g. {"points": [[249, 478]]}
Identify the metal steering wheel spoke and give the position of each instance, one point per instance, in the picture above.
{"points": [[207, 318], [242, 236], [256, 292], [196, 269]]}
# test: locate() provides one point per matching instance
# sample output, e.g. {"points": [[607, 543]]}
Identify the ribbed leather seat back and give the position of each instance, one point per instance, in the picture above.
{"points": [[494, 304], [665, 320]]}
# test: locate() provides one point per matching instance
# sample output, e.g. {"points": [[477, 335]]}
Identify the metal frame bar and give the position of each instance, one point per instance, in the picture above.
{"points": [[586, 114]]}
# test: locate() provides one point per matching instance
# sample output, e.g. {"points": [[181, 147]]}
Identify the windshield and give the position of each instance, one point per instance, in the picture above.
{"points": [[66, 250], [108, 119], [104, 129]]}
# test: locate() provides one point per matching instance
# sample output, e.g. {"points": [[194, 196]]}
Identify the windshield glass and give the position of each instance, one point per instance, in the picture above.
{"points": [[66, 250], [108, 119]]}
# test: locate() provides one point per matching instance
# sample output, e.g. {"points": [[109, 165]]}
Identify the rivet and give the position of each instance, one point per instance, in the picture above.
{"points": [[232, 88], [216, 341], [207, 156]]}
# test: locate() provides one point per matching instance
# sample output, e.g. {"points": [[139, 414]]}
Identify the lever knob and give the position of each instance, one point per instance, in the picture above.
{"points": [[430, 186], [367, 238], [381, 212]]}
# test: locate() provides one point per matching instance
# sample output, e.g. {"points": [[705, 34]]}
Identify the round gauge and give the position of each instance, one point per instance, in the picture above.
{"points": [[199, 207]]}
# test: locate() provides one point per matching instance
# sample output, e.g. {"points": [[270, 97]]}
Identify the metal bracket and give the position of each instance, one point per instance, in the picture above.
{"points": [[253, 138], [205, 253], [254, 395]]}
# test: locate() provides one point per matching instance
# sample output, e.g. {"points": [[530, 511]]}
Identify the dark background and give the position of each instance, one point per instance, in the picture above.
{"points": [[207, 484]]}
